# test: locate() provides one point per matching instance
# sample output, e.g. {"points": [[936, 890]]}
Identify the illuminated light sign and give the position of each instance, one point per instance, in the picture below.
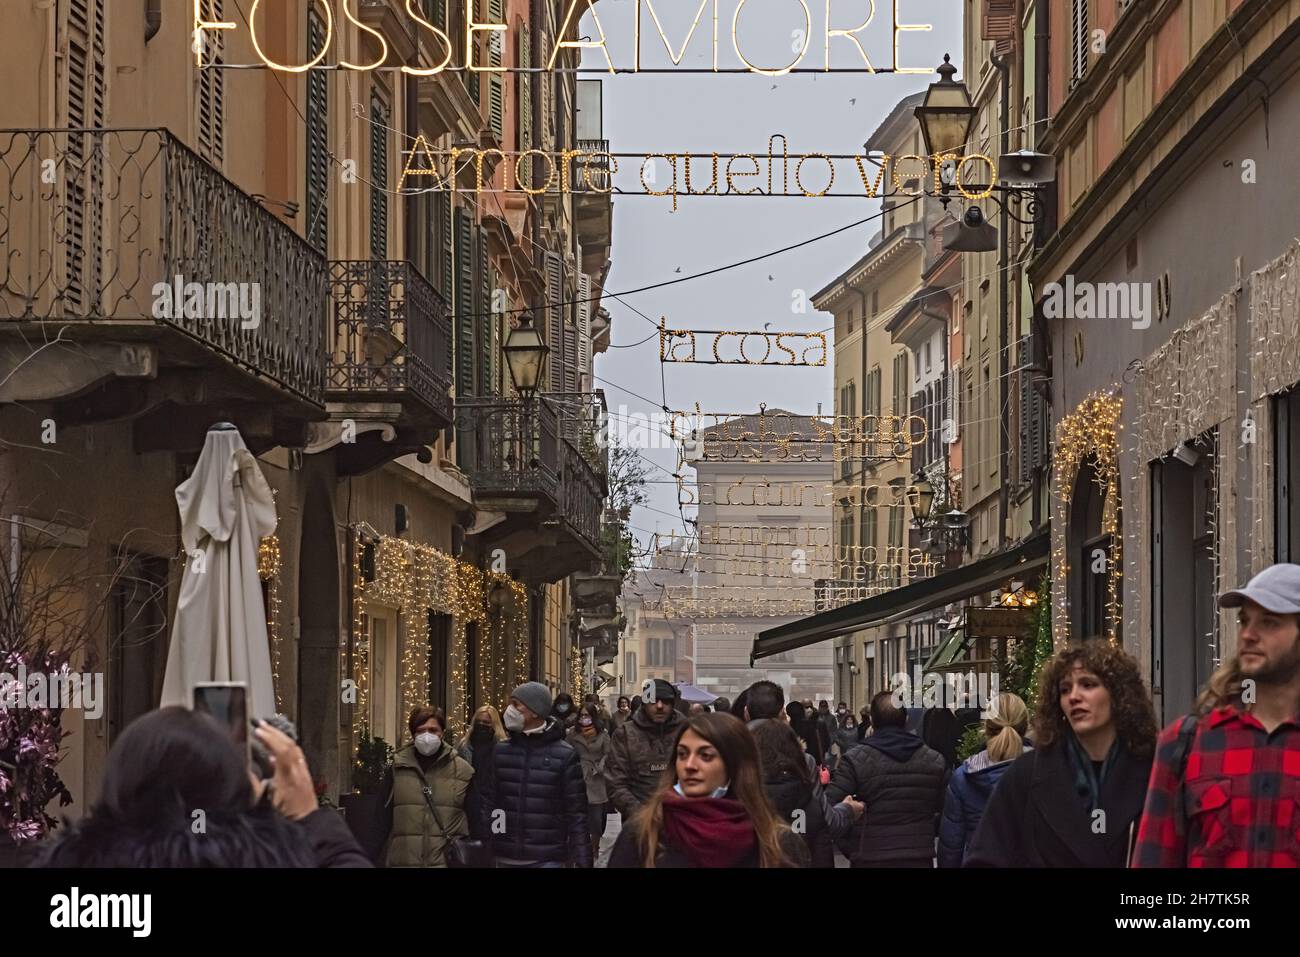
{"points": [[574, 12], [679, 345]]}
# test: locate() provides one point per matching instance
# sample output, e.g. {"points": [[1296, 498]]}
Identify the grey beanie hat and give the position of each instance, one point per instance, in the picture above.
{"points": [[535, 696]]}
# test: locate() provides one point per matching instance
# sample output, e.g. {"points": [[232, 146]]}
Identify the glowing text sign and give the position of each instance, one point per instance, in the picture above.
{"points": [[473, 28]]}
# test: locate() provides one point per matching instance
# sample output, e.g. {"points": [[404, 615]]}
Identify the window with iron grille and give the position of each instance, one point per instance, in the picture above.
{"points": [[378, 177], [318, 172]]}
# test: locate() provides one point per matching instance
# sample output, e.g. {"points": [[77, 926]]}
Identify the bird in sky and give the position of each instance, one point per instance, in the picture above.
{"points": [[679, 269]]}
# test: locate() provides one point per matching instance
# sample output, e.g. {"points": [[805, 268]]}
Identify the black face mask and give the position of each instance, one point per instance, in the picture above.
{"points": [[480, 734]]}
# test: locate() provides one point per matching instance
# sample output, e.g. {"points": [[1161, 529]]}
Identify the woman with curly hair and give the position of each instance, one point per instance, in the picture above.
{"points": [[1074, 800]]}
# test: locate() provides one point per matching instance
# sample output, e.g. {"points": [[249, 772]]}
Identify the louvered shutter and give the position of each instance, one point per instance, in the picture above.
{"points": [[1025, 450], [494, 335], [484, 318], [445, 244], [378, 177], [212, 89], [464, 303], [471, 77], [525, 118], [1079, 45], [555, 319], [436, 12], [318, 173], [571, 367], [546, 135], [584, 334], [86, 106], [496, 101]]}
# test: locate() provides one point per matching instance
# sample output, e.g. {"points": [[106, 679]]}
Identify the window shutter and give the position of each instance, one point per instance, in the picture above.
{"points": [[1079, 48], [464, 303], [496, 97], [211, 89], [483, 320], [436, 11], [471, 77], [555, 319], [86, 95], [571, 366], [495, 340], [525, 118], [446, 254], [584, 334], [318, 173], [378, 177]]}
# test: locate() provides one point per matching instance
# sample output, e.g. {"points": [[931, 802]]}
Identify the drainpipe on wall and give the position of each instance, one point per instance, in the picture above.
{"points": [[1041, 356], [152, 19]]}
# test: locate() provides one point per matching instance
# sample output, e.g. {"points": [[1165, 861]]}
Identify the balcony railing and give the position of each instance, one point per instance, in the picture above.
{"points": [[392, 334], [597, 168], [112, 224], [535, 449]]}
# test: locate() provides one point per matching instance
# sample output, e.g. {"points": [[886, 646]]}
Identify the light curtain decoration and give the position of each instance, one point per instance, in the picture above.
{"points": [[417, 579], [1090, 432], [268, 570]]}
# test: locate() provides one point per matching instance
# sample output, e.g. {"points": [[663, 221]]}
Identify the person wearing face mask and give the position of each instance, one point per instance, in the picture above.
{"points": [[534, 803], [564, 711], [479, 749], [591, 741], [622, 714], [1076, 798], [428, 788], [641, 750], [710, 809]]}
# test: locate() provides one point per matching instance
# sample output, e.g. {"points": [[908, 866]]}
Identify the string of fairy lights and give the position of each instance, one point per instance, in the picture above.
{"points": [[416, 580]]}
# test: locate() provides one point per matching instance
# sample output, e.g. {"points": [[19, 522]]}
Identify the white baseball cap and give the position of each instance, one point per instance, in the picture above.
{"points": [[1275, 589]]}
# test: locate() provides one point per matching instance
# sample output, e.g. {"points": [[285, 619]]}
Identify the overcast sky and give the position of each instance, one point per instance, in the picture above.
{"points": [[664, 113]]}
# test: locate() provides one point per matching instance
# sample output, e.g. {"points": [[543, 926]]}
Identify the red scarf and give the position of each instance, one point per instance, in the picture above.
{"points": [[711, 832]]}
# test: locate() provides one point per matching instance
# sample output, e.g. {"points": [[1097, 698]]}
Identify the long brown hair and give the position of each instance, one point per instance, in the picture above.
{"points": [[740, 757], [1130, 705]]}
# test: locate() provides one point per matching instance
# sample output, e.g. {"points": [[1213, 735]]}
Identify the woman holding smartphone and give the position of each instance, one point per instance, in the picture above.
{"points": [[1074, 800], [712, 810], [426, 791]]}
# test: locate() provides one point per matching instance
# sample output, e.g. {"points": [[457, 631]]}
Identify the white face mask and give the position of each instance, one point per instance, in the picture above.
{"points": [[426, 742], [513, 719], [717, 792]]}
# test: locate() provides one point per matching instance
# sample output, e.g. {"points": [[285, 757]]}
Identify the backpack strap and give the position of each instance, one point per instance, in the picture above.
{"points": [[1182, 750]]}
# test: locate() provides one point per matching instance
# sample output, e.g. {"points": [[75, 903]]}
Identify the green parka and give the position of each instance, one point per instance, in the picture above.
{"points": [[416, 840]]}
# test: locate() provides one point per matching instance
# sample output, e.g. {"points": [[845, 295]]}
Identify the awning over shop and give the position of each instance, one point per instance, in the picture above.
{"points": [[897, 604]]}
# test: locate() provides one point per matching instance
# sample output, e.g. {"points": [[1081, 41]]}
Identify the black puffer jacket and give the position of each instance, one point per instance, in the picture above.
{"points": [[537, 781], [902, 783]]}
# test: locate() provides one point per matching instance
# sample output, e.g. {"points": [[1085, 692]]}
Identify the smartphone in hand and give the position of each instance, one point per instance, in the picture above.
{"points": [[227, 701]]}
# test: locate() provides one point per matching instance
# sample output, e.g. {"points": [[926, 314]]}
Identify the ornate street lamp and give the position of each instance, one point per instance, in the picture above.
{"points": [[946, 114], [525, 353], [922, 499]]}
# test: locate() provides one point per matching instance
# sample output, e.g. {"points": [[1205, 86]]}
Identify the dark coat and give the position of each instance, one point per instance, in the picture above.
{"points": [[638, 756], [819, 825], [626, 853], [537, 782], [1035, 818], [969, 791], [258, 838], [901, 782]]}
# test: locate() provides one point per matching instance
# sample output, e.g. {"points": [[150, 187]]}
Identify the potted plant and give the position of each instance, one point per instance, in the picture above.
{"points": [[361, 807]]}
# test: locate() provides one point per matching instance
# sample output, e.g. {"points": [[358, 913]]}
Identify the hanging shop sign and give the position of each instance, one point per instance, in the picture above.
{"points": [[461, 47]]}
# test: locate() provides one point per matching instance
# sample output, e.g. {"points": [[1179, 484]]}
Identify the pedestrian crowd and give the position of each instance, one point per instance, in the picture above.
{"points": [[1084, 778]]}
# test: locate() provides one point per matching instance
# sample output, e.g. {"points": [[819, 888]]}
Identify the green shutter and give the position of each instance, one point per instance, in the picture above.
{"points": [[525, 117], [471, 78], [483, 321], [447, 272], [496, 83], [464, 303], [318, 164]]}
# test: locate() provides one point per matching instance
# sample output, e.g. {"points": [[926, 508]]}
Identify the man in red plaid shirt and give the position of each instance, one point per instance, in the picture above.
{"points": [[1225, 785]]}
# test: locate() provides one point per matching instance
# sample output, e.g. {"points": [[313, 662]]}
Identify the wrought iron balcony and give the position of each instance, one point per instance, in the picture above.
{"points": [[101, 227], [541, 464], [391, 341]]}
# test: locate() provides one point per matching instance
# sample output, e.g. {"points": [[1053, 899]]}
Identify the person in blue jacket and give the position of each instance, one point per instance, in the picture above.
{"points": [[972, 784]]}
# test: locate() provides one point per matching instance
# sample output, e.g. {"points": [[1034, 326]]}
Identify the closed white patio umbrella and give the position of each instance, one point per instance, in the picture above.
{"points": [[219, 633]]}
